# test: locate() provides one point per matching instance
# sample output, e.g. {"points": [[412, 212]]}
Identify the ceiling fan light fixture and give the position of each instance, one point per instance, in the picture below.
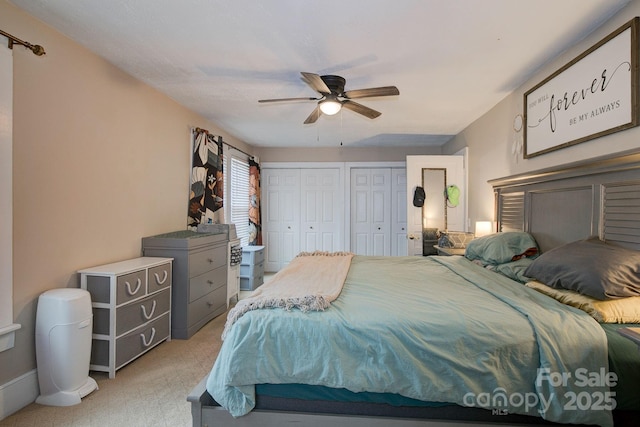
{"points": [[330, 106]]}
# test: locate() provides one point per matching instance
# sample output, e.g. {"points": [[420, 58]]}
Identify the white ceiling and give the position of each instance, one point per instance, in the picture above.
{"points": [[452, 60]]}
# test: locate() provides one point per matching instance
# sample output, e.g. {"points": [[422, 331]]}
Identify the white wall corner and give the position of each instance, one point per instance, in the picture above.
{"points": [[18, 393], [7, 336]]}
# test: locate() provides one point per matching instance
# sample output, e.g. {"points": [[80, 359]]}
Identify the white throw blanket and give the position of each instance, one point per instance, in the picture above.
{"points": [[311, 281]]}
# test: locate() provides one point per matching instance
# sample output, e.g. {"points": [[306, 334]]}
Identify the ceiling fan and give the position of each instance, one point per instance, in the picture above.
{"points": [[334, 97]]}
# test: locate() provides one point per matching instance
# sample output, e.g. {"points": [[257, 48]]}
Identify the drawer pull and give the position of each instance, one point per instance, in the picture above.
{"points": [[135, 291], [144, 310], [144, 339], [164, 277], [210, 282], [210, 260]]}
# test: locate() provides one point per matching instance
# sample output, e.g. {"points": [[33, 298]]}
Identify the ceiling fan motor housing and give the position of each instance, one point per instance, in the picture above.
{"points": [[335, 83]]}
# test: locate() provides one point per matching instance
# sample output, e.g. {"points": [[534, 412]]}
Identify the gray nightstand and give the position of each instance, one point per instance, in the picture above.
{"points": [[449, 251]]}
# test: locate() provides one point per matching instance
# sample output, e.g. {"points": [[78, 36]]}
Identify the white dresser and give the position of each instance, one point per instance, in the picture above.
{"points": [[131, 304]]}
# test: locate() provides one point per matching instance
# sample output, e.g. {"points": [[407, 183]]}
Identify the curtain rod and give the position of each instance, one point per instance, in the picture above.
{"points": [[200, 130], [35, 48]]}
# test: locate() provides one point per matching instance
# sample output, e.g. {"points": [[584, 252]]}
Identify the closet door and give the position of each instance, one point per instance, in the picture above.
{"points": [[281, 216], [322, 210], [398, 212], [371, 211]]}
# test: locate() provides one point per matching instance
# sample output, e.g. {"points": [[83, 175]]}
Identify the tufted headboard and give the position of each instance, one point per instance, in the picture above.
{"points": [[596, 197]]}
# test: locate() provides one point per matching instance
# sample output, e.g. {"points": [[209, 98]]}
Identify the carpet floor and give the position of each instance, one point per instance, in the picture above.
{"points": [[151, 391]]}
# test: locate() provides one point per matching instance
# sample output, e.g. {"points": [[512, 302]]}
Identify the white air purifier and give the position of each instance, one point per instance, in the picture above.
{"points": [[64, 323]]}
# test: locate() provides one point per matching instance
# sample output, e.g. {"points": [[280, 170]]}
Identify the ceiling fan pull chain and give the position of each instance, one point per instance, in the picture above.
{"points": [[341, 117]]}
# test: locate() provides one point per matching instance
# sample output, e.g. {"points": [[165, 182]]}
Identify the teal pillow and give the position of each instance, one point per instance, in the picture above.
{"points": [[500, 248], [515, 269]]}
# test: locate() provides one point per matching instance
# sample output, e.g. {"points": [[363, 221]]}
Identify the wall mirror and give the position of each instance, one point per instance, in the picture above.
{"points": [[434, 210]]}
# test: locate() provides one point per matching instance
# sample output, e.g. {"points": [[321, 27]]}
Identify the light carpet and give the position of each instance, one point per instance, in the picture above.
{"points": [[150, 391]]}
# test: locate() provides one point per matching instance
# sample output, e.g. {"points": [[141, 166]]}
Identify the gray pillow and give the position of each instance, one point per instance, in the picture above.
{"points": [[590, 267]]}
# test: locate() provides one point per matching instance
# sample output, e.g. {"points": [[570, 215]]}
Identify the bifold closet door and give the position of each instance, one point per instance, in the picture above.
{"points": [[398, 212], [371, 211], [303, 210], [322, 210], [281, 216]]}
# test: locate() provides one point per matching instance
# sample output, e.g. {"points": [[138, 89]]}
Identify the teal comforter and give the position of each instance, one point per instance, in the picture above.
{"points": [[438, 329]]}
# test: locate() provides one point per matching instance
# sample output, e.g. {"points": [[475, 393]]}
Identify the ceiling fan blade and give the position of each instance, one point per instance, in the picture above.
{"points": [[288, 99], [314, 116], [316, 82], [360, 109], [374, 91]]}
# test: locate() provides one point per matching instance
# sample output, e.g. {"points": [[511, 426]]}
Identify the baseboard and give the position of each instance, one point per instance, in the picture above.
{"points": [[18, 393]]}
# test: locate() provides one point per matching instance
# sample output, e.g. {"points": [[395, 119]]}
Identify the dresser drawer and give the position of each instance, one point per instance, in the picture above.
{"points": [[202, 261], [251, 283], [258, 269], [132, 315], [137, 313], [207, 282], [252, 270], [159, 278], [213, 303], [252, 255], [131, 286], [140, 340]]}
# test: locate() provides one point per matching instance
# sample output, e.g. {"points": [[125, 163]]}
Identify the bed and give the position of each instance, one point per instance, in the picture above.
{"points": [[417, 341]]}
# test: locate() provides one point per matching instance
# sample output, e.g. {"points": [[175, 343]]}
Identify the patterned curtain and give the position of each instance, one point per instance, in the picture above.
{"points": [[255, 216], [207, 184]]}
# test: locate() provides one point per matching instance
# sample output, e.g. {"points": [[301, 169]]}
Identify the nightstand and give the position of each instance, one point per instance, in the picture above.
{"points": [[449, 251], [632, 333]]}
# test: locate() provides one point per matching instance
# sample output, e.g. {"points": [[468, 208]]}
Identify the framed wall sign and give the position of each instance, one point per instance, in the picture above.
{"points": [[594, 95]]}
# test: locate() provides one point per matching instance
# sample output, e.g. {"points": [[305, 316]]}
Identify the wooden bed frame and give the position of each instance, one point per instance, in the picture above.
{"points": [[598, 197]]}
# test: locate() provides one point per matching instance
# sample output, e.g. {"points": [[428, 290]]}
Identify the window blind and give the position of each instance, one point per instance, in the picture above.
{"points": [[239, 200]]}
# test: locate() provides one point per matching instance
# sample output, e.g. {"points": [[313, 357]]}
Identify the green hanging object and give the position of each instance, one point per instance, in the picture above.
{"points": [[452, 194]]}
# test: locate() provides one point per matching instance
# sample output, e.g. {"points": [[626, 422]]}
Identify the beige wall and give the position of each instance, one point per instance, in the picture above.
{"points": [[99, 161], [490, 138]]}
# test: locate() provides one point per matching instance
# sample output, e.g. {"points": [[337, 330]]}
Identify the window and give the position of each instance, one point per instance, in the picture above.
{"points": [[7, 327], [238, 202]]}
